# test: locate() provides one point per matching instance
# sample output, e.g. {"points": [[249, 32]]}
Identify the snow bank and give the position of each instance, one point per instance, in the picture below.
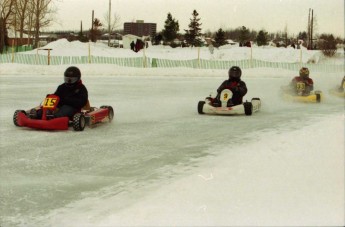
{"points": [[62, 47], [305, 189]]}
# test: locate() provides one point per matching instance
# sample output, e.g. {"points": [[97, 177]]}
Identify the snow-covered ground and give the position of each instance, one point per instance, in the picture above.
{"points": [[160, 163]]}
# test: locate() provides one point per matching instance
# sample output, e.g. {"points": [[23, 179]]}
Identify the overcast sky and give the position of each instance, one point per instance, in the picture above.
{"points": [[271, 15]]}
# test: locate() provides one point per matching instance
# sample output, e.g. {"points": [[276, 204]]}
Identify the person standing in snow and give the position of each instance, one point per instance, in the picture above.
{"points": [[72, 93], [302, 84], [235, 85], [211, 48], [132, 45], [342, 85]]}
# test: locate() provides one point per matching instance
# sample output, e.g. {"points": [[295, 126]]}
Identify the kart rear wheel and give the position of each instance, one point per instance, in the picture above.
{"points": [[15, 116], [79, 122], [248, 108], [110, 112], [201, 106], [318, 97]]}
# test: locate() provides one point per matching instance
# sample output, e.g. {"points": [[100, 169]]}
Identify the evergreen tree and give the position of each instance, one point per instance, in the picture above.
{"points": [[261, 39], [193, 34], [158, 38], [244, 35], [95, 31], [171, 29], [302, 35], [220, 38], [328, 45]]}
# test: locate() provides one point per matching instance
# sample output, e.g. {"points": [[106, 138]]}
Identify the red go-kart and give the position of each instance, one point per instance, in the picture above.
{"points": [[88, 116]]}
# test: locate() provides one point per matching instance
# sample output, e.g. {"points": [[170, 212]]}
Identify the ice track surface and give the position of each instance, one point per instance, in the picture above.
{"points": [[156, 138]]}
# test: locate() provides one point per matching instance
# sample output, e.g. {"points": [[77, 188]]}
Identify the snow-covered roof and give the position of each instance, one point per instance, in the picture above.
{"points": [[131, 36], [13, 34]]}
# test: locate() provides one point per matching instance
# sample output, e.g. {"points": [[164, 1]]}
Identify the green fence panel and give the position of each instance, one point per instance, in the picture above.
{"points": [[140, 62], [19, 58], [42, 60], [10, 49], [4, 58], [66, 60], [55, 60], [75, 60], [30, 59]]}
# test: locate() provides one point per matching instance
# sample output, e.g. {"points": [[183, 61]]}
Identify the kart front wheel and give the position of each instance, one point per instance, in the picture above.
{"points": [[201, 106], [15, 116], [79, 122], [248, 108]]}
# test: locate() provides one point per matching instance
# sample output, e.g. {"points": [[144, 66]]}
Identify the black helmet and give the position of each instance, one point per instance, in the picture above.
{"points": [[304, 72], [235, 72], [72, 75]]}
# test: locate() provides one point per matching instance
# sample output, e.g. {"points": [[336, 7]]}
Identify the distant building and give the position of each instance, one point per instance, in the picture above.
{"points": [[13, 39], [140, 28], [127, 39]]}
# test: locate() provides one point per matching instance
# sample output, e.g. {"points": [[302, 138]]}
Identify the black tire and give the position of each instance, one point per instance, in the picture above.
{"points": [[318, 97], [201, 106], [248, 108], [110, 113], [79, 122], [15, 116], [258, 99]]}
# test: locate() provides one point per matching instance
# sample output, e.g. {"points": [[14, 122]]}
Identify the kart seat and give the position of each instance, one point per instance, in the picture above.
{"points": [[87, 106]]}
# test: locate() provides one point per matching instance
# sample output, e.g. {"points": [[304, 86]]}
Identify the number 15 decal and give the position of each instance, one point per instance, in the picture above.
{"points": [[49, 102]]}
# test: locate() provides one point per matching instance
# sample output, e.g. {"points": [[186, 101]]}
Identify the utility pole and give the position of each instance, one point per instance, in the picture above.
{"points": [[109, 22], [311, 29], [91, 32], [308, 43]]}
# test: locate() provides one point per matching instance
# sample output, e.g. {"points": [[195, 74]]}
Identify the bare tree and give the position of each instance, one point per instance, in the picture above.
{"points": [[43, 11], [6, 12], [111, 23], [22, 12], [29, 20], [285, 36]]}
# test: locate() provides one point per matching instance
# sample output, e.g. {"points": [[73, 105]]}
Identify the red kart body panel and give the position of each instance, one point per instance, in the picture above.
{"points": [[97, 115], [86, 116], [53, 124]]}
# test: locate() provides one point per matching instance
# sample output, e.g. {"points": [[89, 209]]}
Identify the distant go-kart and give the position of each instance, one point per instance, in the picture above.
{"points": [[221, 106], [88, 116], [340, 92], [312, 97]]}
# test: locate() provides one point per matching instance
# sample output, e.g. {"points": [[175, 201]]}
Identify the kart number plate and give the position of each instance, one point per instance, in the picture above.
{"points": [[49, 103], [300, 86]]}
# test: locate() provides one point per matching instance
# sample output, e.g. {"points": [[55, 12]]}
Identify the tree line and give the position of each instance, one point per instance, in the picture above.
{"points": [[25, 16], [243, 35], [31, 16]]}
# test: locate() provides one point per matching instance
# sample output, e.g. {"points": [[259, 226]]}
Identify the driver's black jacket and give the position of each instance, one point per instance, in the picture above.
{"points": [[237, 87], [75, 96]]}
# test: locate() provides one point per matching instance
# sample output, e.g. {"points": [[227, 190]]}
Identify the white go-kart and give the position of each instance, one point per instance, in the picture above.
{"points": [[224, 107]]}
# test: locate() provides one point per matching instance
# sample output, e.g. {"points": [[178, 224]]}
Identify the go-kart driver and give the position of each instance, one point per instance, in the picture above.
{"points": [[302, 85], [72, 93], [235, 85]]}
